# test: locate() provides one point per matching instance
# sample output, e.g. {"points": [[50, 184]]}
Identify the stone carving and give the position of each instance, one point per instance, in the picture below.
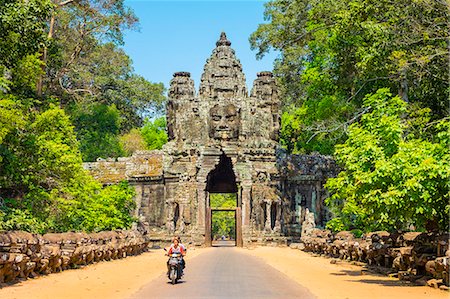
{"points": [[224, 122], [309, 224], [267, 207]]}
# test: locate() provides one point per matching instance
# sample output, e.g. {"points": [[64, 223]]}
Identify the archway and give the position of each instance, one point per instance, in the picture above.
{"points": [[222, 181]]}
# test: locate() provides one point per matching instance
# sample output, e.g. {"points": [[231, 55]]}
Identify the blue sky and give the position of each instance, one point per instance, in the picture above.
{"points": [[180, 35]]}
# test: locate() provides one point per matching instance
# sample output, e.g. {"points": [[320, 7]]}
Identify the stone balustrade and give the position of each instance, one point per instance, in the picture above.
{"points": [[415, 256], [25, 255]]}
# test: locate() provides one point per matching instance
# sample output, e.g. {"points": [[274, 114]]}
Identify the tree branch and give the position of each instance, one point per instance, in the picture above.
{"points": [[341, 125], [367, 81], [65, 2]]}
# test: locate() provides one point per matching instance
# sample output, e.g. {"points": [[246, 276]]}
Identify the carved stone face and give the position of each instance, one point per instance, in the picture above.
{"points": [[224, 122]]}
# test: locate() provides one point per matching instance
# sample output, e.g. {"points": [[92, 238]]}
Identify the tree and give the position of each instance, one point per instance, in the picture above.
{"points": [[84, 63], [22, 35], [22, 29], [43, 184], [90, 74], [154, 133], [98, 128], [223, 222], [334, 52], [69, 50], [132, 141], [392, 178]]}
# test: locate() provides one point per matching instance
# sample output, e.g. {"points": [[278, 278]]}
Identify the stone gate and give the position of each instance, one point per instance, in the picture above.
{"points": [[222, 140]]}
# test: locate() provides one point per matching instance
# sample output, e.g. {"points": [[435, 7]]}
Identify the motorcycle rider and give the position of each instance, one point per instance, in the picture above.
{"points": [[176, 248]]}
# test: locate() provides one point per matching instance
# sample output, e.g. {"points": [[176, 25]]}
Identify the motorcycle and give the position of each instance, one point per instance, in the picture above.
{"points": [[175, 270]]}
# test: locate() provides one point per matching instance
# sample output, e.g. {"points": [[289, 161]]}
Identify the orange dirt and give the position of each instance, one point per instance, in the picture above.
{"points": [[340, 280], [122, 278], [115, 279]]}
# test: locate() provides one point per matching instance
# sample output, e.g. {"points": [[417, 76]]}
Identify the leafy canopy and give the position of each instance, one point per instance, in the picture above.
{"points": [[334, 52], [392, 178], [43, 184], [61, 72], [154, 133]]}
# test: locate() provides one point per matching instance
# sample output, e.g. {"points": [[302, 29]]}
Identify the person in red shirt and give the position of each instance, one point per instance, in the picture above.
{"points": [[176, 248]]}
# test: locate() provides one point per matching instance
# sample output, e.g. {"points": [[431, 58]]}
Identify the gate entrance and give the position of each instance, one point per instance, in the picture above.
{"points": [[223, 228], [223, 209], [223, 218]]}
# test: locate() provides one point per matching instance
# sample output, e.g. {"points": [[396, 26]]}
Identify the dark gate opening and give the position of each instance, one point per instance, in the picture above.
{"points": [[222, 179]]}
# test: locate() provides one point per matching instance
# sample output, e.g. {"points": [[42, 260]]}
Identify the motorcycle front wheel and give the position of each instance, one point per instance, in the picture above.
{"points": [[173, 276]]}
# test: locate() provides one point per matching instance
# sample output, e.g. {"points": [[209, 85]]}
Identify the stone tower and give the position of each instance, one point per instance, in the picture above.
{"points": [[222, 140]]}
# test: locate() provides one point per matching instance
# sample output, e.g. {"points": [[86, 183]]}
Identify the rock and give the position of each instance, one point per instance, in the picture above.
{"points": [[294, 245], [393, 275], [434, 283]]}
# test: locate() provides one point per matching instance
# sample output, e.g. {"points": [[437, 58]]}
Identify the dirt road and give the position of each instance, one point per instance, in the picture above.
{"points": [[128, 277], [341, 280], [226, 273]]}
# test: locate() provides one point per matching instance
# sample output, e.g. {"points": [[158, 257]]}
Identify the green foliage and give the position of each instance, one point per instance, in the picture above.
{"points": [[16, 219], [222, 200], [104, 76], [98, 127], [334, 52], [296, 133], [86, 63], [26, 73], [132, 141], [62, 71], [108, 209], [154, 133], [391, 180], [22, 29], [357, 233], [43, 184], [11, 118], [223, 224]]}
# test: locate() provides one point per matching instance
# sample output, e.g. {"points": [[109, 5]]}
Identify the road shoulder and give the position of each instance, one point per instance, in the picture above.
{"points": [[340, 280]]}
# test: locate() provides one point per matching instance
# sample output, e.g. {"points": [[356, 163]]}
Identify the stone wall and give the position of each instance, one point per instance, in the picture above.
{"points": [[144, 171], [302, 180], [141, 166], [24, 255]]}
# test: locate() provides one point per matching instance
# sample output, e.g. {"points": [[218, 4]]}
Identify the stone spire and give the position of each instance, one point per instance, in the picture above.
{"points": [[223, 77], [223, 41]]}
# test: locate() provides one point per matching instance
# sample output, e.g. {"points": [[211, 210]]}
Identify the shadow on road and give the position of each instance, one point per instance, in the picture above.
{"points": [[178, 282], [348, 272], [388, 283]]}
